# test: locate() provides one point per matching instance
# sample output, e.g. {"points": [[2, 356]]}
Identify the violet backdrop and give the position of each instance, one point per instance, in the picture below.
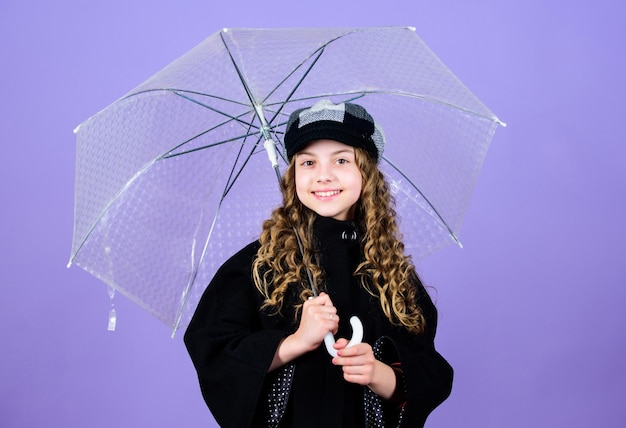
{"points": [[531, 310]]}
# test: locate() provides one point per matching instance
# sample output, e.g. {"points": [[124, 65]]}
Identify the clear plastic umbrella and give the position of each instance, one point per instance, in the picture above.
{"points": [[173, 177]]}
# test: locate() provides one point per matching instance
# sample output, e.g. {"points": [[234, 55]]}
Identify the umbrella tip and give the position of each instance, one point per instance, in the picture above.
{"points": [[411, 28], [456, 239]]}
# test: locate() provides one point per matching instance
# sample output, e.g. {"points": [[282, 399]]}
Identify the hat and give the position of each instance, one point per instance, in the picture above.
{"points": [[347, 123]]}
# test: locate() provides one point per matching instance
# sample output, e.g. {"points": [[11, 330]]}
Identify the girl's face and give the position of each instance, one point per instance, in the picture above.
{"points": [[328, 180]]}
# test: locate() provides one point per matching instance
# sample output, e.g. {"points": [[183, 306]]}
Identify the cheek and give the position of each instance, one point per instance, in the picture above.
{"points": [[301, 186], [357, 182], [358, 192]]}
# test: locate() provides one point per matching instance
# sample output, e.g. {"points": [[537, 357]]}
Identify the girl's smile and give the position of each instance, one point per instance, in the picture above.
{"points": [[328, 180], [327, 194]]}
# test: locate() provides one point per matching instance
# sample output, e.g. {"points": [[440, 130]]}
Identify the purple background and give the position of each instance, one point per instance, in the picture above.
{"points": [[531, 310]]}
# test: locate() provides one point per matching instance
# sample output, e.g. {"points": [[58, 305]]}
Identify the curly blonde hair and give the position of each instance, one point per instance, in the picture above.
{"points": [[385, 272]]}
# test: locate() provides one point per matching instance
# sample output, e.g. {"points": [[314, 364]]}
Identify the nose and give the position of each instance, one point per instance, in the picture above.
{"points": [[325, 173]]}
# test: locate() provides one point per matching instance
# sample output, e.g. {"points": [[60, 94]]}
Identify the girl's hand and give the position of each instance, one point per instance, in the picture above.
{"points": [[361, 367], [319, 316], [357, 361]]}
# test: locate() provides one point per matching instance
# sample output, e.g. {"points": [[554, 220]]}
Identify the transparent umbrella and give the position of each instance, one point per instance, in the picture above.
{"points": [[173, 177]]}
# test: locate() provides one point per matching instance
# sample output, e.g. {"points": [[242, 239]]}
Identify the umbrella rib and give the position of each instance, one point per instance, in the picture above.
{"points": [[231, 118], [194, 270], [238, 71], [207, 146], [181, 93], [319, 51], [145, 91], [360, 94], [117, 195], [426, 98], [245, 84], [295, 88], [193, 100], [317, 54], [258, 112], [439, 216], [217, 97], [231, 180]]}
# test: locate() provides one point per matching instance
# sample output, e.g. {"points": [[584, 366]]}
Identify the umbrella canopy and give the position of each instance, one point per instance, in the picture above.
{"points": [[172, 178]]}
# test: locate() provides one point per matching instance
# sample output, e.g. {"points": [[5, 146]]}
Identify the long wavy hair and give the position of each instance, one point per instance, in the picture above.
{"points": [[280, 267]]}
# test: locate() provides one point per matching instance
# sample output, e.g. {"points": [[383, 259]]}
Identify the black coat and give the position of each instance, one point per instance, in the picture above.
{"points": [[232, 343]]}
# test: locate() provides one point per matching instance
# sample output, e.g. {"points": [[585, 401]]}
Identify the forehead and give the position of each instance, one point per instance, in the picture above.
{"points": [[325, 147]]}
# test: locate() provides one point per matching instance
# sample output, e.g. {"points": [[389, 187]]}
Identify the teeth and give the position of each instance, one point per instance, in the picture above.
{"points": [[326, 194]]}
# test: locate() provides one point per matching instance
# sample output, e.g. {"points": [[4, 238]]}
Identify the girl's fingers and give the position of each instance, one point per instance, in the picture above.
{"points": [[319, 317], [355, 350], [357, 363], [321, 307], [322, 299]]}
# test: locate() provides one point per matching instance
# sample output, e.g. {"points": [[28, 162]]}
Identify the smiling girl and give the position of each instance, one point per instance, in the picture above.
{"points": [[255, 337]]}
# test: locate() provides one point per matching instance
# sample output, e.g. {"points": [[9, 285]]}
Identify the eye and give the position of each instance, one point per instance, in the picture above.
{"points": [[342, 161], [307, 162]]}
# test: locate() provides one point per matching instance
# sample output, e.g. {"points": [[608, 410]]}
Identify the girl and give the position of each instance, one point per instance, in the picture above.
{"points": [[256, 334]]}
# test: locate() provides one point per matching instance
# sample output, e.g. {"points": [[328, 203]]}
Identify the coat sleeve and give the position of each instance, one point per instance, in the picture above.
{"points": [[426, 374], [425, 379], [228, 344]]}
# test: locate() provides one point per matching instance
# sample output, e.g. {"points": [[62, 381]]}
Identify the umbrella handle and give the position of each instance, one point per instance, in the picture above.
{"points": [[270, 148], [357, 336]]}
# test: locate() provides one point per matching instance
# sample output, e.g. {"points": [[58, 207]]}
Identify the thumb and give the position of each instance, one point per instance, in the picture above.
{"points": [[341, 343]]}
